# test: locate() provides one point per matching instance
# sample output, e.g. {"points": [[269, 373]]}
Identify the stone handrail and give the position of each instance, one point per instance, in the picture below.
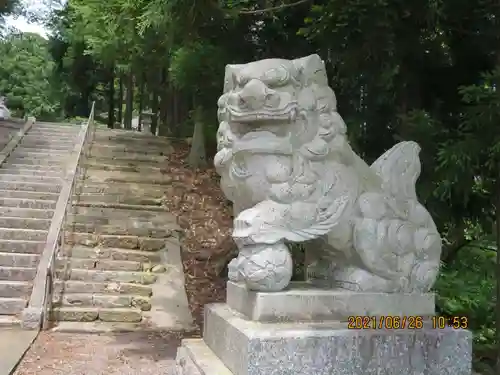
{"points": [[36, 314]]}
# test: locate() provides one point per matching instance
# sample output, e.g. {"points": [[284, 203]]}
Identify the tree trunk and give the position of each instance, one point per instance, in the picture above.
{"points": [[141, 100], [197, 157], [111, 98], [129, 102], [120, 100], [154, 109], [165, 93]]}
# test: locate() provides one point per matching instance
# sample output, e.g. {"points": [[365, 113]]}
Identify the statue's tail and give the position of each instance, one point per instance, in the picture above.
{"points": [[399, 169]]}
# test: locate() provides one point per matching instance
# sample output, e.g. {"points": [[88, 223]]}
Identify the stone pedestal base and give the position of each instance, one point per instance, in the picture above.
{"points": [[233, 344]]}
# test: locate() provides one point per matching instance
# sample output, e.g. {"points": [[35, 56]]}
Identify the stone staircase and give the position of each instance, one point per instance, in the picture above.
{"points": [[120, 268], [30, 182]]}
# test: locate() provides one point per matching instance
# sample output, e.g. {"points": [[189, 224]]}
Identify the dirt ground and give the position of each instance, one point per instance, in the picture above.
{"points": [[135, 353], [205, 216]]}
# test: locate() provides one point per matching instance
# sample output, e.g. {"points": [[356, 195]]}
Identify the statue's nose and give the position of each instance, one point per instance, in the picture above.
{"points": [[253, 95]]}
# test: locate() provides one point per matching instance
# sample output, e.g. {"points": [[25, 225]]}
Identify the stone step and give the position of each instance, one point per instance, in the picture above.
{"points": [[31, 161], [49, 138], [40, 158], [17, 273], [126, 229], [30, 213], [30, 147], [42, 168], [145, 278], [98, 264], [76, 286], [30, 186], [24, 178], [124, 168], [37, 204], [15, 289], [123, 242], [24, 223], [96, 199], [130, 158], [56, 133], [90, 314], [112, 150], [109, 177], [11, 306], [37, 195], [103, 300], [97, 327], [19, 259], [9, 321], [30, 172], [23, 234], [63, 146], [29, 153], [112, 253], [22, 246]]}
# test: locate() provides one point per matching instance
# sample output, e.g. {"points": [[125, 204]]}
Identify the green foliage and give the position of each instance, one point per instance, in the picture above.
{"points": [[25, 72], [466, 287]]}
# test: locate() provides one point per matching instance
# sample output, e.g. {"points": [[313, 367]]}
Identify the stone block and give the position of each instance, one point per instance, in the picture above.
{"points": [[31, 318], [21, 246], [74, 314], [302, 302], [120, 315], [194, 357], [329, 348]]}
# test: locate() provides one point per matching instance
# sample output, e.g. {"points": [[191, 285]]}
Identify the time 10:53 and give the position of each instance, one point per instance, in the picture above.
{"points": [[455, 322]]}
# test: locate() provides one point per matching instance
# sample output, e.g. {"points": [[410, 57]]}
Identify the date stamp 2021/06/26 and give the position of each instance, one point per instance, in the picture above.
{"points": [[406, 322]]}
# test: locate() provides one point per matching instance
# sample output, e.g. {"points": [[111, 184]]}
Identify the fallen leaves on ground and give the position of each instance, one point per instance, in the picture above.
{"points": [[205, 216]]}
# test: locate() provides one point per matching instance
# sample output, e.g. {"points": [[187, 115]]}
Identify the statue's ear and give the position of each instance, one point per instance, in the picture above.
{"points": [[231, 70], [311, 69]]}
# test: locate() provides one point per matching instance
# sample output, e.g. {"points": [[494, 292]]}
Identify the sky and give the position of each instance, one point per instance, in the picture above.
{"points": [[23, 24]]}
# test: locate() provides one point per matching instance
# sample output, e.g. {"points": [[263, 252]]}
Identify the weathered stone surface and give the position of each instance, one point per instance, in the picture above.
{"points": [[151, 244], [30, 172], [113, 287], [53, 168], [126, 242], [110, 276], [86, 239], [30, 186], [23, 234], [28, 203], [302, 303], [74, 314], [19, 260], [26, 213], [109, 177], [111, 253], [141, 302], [120, 315], [17, 273], [102, 264], [24, 223], [11, 305], [21, 246], [24, 178], [194, 357], [255, 348], [9, 288], [159, 268], [30, 161]]}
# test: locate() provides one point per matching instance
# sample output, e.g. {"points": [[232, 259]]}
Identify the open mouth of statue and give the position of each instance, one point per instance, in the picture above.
{"points": [[287, 113]]}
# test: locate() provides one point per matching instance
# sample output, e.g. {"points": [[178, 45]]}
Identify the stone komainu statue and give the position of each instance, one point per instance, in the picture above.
{"points": [[286, 165]]}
